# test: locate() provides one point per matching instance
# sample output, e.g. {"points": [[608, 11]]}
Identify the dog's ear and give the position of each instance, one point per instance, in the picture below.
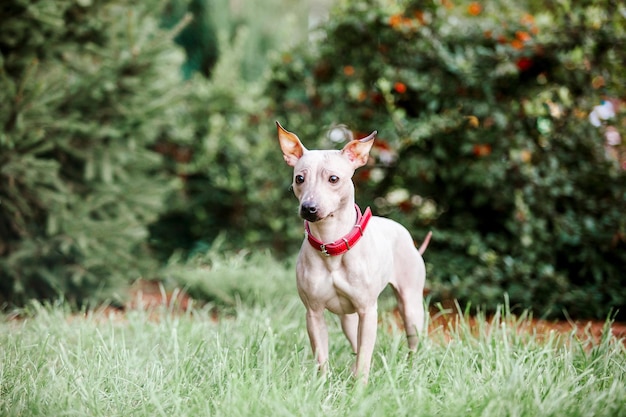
{"points": [[291, 146], [357, 151]]}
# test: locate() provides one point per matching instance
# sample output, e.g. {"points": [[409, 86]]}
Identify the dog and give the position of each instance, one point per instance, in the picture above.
{"points": [[348, 257]]}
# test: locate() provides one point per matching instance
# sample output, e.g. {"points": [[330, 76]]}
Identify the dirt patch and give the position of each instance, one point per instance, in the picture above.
{"points": [[150, 296], [584, 330]]}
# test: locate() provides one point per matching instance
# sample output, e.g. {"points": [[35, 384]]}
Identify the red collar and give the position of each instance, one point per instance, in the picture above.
{"points": [[341, 245]]}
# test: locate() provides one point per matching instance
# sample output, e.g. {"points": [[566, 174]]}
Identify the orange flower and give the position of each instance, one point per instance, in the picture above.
{"points": [[419, 16], [395, 20], [522, 36], [408, 22], [399, 87], [401, 22], [348, 70], [527, 19], [517, 44], [473, 121], [474, 8], [481, 149]]}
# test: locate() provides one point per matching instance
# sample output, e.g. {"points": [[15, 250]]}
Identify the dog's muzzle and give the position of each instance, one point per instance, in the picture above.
{"points": [[309, 211]]}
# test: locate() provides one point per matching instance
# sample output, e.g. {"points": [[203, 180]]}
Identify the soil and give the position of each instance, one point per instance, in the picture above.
{"points": [[151, 297], [584, 330]]}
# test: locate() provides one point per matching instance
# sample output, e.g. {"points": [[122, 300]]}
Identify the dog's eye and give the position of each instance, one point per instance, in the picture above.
{"points": [[299, 179], [333, 179]]}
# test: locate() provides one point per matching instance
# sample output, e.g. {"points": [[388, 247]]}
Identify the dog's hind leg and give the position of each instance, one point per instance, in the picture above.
{"points": [[410, 304], [409, 288]]}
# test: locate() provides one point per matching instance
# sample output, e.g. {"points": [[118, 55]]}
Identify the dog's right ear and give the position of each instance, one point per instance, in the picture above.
{"points": [[357, 151], [291, 146]]}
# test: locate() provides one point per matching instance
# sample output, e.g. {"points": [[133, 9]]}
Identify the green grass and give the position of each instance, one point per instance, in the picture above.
{"points": [[257, 362]]}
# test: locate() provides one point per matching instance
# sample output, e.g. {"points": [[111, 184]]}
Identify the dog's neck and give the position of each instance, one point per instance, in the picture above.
{"points": [[333, 227]]}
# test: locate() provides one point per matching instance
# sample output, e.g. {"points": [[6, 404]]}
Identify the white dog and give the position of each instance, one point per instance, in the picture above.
{"points": [[348, 257]]}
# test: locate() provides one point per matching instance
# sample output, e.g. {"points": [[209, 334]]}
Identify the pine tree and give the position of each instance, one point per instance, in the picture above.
{"points": [[87, 87]]}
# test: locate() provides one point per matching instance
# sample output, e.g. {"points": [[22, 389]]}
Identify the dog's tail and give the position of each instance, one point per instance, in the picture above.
{"points": [[425, 243]]}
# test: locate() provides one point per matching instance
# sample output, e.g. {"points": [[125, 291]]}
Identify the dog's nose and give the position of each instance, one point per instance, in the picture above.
{"points": [[308, 211]]}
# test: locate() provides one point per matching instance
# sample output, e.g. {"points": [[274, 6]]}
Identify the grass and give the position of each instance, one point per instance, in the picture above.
{"points": [[257, 362]]}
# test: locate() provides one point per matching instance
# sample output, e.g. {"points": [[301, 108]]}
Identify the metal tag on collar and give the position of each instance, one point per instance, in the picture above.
{"points": [[324, 251]]}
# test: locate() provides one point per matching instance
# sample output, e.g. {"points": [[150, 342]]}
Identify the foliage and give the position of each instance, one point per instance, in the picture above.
{"points": [[198, 38], [87, 88], [227, 279], [229, 156], [258, 363], [227, 166], [249, 25], [482, 111]]}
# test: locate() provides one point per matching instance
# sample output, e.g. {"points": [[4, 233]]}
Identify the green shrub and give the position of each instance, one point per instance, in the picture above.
{"points": [[87, 88], [227, 279], [484, 137]]}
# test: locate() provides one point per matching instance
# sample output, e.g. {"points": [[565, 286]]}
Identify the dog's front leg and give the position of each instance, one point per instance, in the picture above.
{"points": [[350, 327], [368, 324], [318, 335]]}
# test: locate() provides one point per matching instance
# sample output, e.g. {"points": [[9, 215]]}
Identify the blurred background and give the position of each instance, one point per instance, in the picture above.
{"points": [[137, 141]]}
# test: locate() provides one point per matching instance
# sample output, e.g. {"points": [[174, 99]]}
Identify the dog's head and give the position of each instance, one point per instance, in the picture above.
{"points": [[322, 180]]}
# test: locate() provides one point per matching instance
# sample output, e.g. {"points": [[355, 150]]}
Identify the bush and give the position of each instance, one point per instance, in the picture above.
{"points": [[227, 279], [484, 137], [87, 88]]}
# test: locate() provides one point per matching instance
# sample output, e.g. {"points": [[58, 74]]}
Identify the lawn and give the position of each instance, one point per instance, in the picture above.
{"points": [[256, 361]]}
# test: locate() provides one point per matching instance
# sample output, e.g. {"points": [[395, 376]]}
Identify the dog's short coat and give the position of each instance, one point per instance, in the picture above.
{"points": [[349, 283]]}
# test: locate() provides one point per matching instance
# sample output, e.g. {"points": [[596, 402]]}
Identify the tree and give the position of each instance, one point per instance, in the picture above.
{"points": [[87, 88]]}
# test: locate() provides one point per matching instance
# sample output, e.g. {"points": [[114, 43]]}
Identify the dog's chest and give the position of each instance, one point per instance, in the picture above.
{"points": [[340, 290]]}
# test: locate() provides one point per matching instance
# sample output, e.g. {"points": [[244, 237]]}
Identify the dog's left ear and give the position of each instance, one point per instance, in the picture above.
{"points": [[357, 151]]}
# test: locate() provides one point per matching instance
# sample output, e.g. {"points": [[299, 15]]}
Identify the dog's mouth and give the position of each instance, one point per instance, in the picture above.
{"points": [[310, 217]]}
